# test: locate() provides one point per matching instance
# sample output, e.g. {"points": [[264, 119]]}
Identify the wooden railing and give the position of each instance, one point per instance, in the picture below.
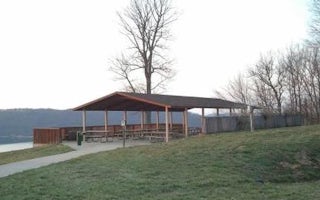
{"points": [[57, 135]]}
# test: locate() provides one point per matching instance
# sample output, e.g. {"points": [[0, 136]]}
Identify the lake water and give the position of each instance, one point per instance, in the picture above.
{"points": [[15, 146]]}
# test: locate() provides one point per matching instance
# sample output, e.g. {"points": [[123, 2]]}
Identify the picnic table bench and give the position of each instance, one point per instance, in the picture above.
{"points": [[153, 135], [96, 135]]}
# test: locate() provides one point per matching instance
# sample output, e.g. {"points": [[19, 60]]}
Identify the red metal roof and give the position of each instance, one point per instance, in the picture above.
{"points": [[124, 101]]}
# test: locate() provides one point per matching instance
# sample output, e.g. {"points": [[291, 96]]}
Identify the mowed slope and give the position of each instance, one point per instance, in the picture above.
{"points": [[272, 164], [36, 152]]}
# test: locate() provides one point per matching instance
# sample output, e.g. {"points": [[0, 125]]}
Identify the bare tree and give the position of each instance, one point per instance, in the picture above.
{"points": [[263, 96], [293, 60], [146, 25], [237, 90], [311, 80], [269, 76], [121, 67], [315, 24]]}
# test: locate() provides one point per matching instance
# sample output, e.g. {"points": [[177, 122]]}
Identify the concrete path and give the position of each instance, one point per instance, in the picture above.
{"points": [[84, 149]]}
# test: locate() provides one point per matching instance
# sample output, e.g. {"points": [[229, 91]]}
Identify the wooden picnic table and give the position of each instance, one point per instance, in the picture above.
{"points": [[96, 134], [153, 135]]}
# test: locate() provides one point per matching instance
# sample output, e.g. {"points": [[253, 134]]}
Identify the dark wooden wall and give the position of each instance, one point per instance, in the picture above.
{"points": [[47, 136]]}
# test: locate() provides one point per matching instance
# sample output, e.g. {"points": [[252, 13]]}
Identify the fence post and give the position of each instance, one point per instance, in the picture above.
{"points": [[203, 122], [251, 118]]}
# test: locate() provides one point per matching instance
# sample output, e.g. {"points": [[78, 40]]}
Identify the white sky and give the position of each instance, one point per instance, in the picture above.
{"points": [[54, 54]]}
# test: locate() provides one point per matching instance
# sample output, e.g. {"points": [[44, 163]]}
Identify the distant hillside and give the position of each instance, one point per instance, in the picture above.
{"points": [[16, 125]]}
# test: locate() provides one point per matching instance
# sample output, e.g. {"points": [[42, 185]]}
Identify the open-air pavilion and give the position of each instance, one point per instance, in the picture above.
{"points": [[124, 101]]}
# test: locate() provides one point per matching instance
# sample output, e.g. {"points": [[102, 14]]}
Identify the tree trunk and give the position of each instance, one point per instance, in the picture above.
{"points": [[147, 115]]}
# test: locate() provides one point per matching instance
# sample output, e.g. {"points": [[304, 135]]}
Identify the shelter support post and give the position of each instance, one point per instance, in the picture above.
{"points": [[218, 112], [124, 115], [183, 122], [230, 111], [186, 122], [167, 123], [142, 120], [124, 128], [157, 120], [84, 120], [203, 122], [84, 123], [170, 120], [106, 120]]}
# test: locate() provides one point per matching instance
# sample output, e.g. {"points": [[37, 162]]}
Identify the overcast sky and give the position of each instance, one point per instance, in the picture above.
{"points": [[54, 54]]}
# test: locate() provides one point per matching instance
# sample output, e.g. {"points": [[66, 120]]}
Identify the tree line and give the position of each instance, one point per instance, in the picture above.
{"points": [[281, 82], [286, 81]]}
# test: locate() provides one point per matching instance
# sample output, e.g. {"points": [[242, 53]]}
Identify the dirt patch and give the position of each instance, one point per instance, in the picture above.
{"points": [[303, 158], [287, 165]]}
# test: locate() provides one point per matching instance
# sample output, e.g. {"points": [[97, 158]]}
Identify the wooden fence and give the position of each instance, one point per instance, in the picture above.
{"points": [[238, 123], [47, 136]]}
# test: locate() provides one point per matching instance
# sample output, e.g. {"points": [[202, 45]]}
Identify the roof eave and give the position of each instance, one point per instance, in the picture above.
{"points": [[84, 106]]}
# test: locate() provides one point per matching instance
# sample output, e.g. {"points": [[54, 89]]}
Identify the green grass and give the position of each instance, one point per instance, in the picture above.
{"points": [[273, 164], [36, 152]]}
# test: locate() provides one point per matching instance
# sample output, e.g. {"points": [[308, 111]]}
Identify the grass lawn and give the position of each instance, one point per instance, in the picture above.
{"points": [[272, 164], [36, 152]]}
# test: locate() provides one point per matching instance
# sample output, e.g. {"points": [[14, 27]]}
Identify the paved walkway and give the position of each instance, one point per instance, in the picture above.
{"points": [[84, 149]]}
